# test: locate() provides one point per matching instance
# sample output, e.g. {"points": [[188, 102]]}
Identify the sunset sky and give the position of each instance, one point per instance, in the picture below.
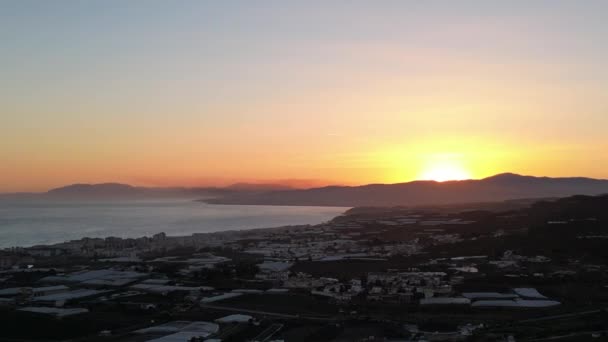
{"points": [[163, 93]]}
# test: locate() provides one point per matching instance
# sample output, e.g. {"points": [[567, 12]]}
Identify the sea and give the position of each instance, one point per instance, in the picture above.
{"points": [[26, 223]]}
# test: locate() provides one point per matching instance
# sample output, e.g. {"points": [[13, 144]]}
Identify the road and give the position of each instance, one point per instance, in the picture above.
{"points": [[568, 336], [267, 334], [267, 313], [568, 315]]}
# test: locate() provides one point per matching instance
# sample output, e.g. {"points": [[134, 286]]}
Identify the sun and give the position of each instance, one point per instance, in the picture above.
{"points": [[443, 168]]}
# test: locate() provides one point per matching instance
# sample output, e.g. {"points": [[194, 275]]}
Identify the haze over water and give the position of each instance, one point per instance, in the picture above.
{"points": [[27, 223]]}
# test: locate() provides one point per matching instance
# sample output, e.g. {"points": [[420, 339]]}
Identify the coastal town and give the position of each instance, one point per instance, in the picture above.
{"points": [[388, 274]]}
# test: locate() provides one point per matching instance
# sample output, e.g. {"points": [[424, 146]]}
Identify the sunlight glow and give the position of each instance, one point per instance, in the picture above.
{"points": [[443, 168]]}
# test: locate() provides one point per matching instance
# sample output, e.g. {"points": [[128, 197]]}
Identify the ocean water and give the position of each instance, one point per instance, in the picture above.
{"points": [[27, 223]]}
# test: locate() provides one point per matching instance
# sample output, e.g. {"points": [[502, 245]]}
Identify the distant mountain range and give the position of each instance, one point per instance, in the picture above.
{"points": [[126, 191], [496, 188], [501, 187], [104, 189], [117, 190]]}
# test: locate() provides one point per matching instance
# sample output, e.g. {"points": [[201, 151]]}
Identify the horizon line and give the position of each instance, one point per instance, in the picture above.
{"points": [[285, 184]]}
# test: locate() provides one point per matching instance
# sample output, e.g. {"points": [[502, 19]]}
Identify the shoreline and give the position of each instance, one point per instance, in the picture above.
{"points": [[178, 219]]}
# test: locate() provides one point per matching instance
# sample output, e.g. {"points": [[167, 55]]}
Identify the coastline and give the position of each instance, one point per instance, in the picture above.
{"points": [[39, 224]]}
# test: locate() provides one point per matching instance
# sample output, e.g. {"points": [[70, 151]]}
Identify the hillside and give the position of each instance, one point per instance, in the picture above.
{"points": [[496, 188]]}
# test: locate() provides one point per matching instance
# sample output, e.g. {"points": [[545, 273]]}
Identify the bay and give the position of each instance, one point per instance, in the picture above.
{"points": [[28, 223]]}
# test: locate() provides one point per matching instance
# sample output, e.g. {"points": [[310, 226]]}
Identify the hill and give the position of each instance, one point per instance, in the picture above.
{"points": [[500, 187], [104, 189], [126, 191]]}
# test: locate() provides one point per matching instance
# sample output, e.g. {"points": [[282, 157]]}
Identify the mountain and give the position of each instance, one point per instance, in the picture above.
{"points": [[496, 188], [126, 191], [258, 187], [104, 189]]}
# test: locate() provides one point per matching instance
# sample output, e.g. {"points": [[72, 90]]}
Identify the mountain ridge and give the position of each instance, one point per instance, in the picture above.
{"points": [[499, 187], [504, 186]]}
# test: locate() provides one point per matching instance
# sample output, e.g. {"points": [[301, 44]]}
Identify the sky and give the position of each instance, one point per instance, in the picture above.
{"points": [[160, 93]]}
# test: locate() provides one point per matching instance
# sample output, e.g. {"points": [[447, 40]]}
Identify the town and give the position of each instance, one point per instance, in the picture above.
{"points": [[531, 272]]}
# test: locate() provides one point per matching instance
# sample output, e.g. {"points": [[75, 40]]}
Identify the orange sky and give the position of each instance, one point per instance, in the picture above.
{"points": [[206, 94]]}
